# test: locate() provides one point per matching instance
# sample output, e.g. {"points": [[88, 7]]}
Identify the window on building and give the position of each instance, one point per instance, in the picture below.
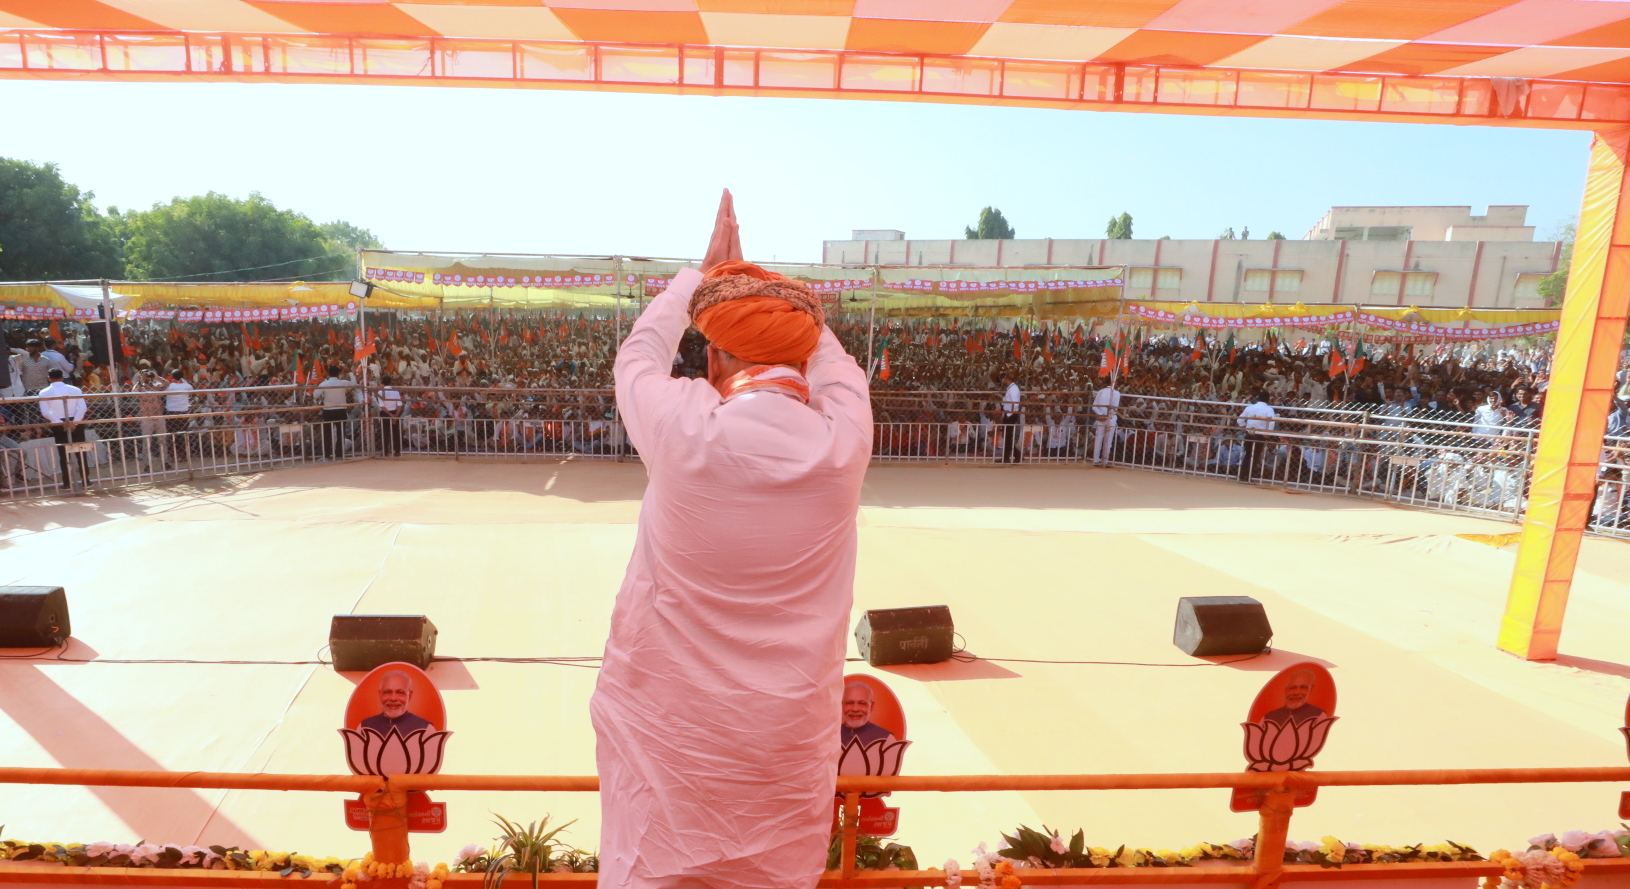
{"points": [[1528, 286], [1421, 284], [1158, 279], [1277, 281]]}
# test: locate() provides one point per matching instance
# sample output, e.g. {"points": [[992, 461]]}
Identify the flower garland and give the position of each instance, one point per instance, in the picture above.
{"points": [[1046, 848], [1555, 868], [419, 875], [169, 855]]}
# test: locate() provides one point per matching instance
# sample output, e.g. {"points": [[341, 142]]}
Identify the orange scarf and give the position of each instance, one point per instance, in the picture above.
{"points": [[773, 377]]}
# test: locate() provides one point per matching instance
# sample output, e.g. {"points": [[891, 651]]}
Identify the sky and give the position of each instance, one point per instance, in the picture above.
{"points": [[539, 171]]}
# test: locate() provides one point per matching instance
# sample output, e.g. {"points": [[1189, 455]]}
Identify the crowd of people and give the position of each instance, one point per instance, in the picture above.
{"points": [[528, 382], [530, 350]]}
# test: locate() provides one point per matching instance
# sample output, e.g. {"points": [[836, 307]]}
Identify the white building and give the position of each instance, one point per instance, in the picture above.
{"points": [[1420, 256]]}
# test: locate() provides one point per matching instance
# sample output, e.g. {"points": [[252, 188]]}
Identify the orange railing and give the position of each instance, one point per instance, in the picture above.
{"points": [[386, 796]]}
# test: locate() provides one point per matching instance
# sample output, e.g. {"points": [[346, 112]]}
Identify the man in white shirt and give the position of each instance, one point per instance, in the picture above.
{"points": [[33, 368], [177, 408], [1060, 429], [1010, 420], [63, 408], [334, 396], [1258, 420], [1106, 409], [57, 359], [388, 428]]}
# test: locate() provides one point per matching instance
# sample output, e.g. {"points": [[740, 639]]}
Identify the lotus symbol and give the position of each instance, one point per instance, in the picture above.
{"points": [[368, 752], [1287, 746], [880, 757]]}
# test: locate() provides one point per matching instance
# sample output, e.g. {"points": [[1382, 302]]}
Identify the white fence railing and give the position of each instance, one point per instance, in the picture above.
{"points": [[1412, 458]]}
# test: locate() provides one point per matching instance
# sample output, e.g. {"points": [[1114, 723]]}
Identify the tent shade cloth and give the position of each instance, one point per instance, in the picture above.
{"points": [[82, 298], [1554, 63], [432, 281], [134, 296]]}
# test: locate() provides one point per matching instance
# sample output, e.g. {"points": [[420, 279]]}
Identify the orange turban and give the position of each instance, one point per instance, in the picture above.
{"points": [[757, 315]]}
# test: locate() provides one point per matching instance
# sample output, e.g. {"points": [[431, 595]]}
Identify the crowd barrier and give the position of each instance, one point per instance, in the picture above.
{"points": [[1266, 870], [1416, 458]]}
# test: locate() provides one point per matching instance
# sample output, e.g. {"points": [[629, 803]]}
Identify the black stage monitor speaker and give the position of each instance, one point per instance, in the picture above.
{"points": [[33, 617], [364, 641], [905, 635], [99, 341], [1208, 626]]}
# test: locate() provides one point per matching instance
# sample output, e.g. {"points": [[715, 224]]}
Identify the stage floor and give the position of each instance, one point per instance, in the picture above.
{"points": [[1039, 564]]}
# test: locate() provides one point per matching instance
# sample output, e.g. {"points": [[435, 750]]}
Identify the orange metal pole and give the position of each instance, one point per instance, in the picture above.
{"points": [[1576, 405], [388, 827], [1273, 829], [851, 834]]}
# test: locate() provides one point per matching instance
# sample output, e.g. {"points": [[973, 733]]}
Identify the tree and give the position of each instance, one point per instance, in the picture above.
{"points": [[351, 238], [218, 238], [1275, 236], [49, 229], [1120, 227], [1552, 287], [992, 224]]}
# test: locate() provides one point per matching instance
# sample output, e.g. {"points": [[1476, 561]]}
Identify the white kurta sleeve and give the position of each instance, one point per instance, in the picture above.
{"points": [[646, 387], [838, 390]]}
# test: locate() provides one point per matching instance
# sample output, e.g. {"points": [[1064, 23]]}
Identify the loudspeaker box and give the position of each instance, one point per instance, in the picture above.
{"points": [[905, 635], [33, 617], [1208, 626], [364, 641], [98, 337]]}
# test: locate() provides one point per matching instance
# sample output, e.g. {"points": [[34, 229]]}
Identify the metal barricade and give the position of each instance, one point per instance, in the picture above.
{"points": [[153, 437], [1411, 457]]}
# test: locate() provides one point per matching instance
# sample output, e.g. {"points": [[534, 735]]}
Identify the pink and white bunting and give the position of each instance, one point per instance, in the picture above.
{"points": [[222, 315], [553, 282], [31, 313], [925, 286], [828, 290], [1441, 332], [1427, 331], [405, 276], [1211, 322]]}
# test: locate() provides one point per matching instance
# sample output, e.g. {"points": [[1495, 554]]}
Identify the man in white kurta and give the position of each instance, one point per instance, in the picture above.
{"points": [[716, 711]]}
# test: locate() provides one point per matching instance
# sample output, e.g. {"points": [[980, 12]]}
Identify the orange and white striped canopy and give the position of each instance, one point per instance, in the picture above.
{"points": [[843, 46], [1554, 39]]}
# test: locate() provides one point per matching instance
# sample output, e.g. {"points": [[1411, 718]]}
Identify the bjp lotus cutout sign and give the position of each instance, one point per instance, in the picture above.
{"points": [[396, 724], [871, 741], [1286, 728]]}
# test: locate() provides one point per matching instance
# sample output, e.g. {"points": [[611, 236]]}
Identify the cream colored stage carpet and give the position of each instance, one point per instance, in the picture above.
{"points": [[1037, 564]]}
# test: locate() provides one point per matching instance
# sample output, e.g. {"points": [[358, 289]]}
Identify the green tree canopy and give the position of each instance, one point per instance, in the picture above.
{"points": [[1120, 227], [1275, 236], [992, 224], [1552, 287], [353, 239], [218, 238], [49, 229]]}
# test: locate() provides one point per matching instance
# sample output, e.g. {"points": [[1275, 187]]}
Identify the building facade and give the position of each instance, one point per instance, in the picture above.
{"points": [[1351, 256]]}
